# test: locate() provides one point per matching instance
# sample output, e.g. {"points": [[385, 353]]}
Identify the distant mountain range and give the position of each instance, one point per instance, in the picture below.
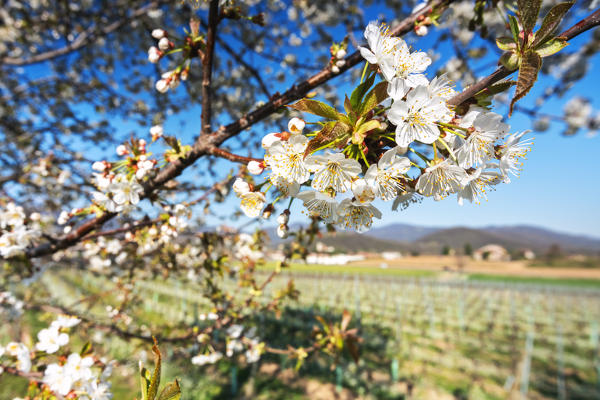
{"points": [[405, 238]]}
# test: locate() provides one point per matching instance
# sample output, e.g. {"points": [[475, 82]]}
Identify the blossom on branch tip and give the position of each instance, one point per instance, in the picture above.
{"points": [[255, 167], [296, 125], [158, 34], [252, 203]]}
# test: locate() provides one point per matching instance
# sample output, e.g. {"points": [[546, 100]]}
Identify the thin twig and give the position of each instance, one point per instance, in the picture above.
{"points": [[207, 65]]}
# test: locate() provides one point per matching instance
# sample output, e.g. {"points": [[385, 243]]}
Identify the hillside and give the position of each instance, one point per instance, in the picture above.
{"points": [[406, 238], [355, 242], [458, 237], [402, 232]]}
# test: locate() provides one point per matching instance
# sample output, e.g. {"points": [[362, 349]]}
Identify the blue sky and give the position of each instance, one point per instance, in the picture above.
{"points": [[558, 189]]}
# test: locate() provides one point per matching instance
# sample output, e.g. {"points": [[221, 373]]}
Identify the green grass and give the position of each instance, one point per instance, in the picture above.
{"points": [[591, 283], [350, 270], [399, 272]]}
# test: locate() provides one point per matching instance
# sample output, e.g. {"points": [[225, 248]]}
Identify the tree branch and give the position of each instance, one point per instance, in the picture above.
{"points": [[219, 152], [82, 40], [585, 24], [204, 144], [207, 65]]}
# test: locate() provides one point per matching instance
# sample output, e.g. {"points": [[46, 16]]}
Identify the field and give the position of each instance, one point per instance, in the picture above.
{"points": [[428, 334]]}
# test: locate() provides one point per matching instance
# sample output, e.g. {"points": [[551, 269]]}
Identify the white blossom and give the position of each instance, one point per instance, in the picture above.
{"points": [[384, 176], [240, 187], [356, 215], [416, 118], [51, 339], [319, 204], [441, 178], [332, 171], [286, 159], [511, 154], [252, 203]]}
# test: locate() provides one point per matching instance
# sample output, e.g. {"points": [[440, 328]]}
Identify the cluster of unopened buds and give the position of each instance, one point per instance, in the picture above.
{"points": [[367, 157], [154, 52], [422, 21], [169, 79], [338, 53]]}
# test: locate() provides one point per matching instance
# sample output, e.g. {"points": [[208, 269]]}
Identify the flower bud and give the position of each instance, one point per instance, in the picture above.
{"points": [[335, 69], [268, 211], [164, 44], [282, 231], [421, 30], [255, 167], [158, 34], [162, 86], [156, 132], [341, 53], [63, 218], [296, 125], [122, 150], [284, 217], [340, 63], [154, 55], [99, 166], [241, 187]]}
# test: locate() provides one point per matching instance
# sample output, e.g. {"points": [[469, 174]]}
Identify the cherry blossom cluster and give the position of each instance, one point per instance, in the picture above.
{"points": [[471, 153], [238, 341], [76, 376], [118, 183], [10, 306], [16, 230]]}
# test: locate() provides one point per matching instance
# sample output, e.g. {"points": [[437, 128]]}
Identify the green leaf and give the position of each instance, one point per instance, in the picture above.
{"points": [[514, 28], [505, 43], [483, 97], [528, 13], [155, 381], [551, 47], [360, 91], [144, 382], [86, 349], [171, 392], [318, 108], [373, 98], [358, 136], [530, 66], [510, 60], [497, 88], [347, 105], [551, 22], [331, 133]]}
